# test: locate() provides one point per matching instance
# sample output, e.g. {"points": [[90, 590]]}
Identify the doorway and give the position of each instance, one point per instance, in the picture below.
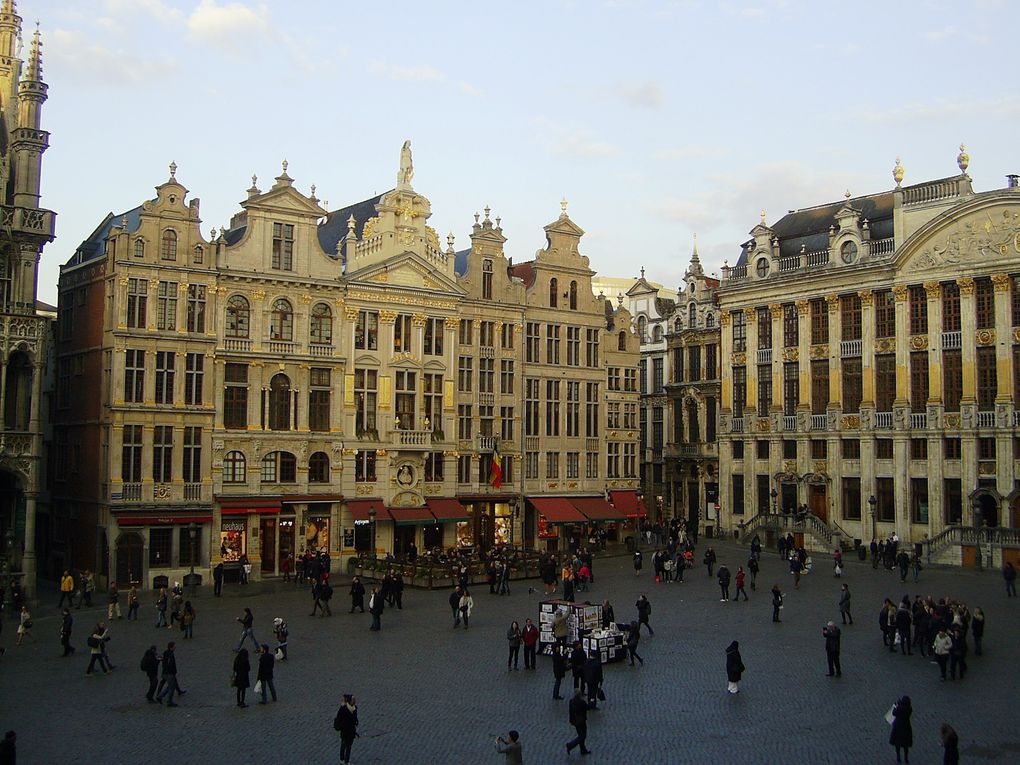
{"points": [[267, 533], [788, 497], [818, 502], [988, 510], [286, 541], [129, 558], [403, 536]]}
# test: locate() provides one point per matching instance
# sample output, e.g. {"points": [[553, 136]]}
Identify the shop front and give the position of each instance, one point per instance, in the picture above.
{"points": [[360, 522], [604, 521], [407, 521], [147, 546], [632, 507], [452, 521], [490, 522], [561, 526]]}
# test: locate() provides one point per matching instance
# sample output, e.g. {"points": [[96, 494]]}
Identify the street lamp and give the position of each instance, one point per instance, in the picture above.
{"points": [[192, 533], [872, 502], [371, 520]]}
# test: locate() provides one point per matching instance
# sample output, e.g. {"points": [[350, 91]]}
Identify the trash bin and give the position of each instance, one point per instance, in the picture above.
{"points": [[630, 544], [862, 553], [160, 582], [192, 580]]}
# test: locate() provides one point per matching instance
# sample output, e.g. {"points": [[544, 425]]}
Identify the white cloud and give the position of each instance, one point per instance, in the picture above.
{"points": [[644, 95], [470, 90], [939, 109], [581, 145], [85, 60], [407, 73], [692, 151], [160, 11], [228, 24]]}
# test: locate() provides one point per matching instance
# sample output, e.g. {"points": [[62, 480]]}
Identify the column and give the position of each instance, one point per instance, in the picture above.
{"points": [[901, 484], [33, 416], [867, 349], [776, 312], [901, 294], [835, 337], [28, 562], [804, 353], [217, 371], [967, 339], [303, 385], [934, 292], [725, 363], [1003, 339], [936, 483], [3, 386], [750, 315]]}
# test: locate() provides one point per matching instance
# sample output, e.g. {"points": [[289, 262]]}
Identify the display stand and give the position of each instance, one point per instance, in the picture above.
{"points": [[582, 619]]}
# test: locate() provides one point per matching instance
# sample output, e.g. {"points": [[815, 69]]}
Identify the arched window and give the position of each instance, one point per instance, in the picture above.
{"points": [[642, 329], [279, 403], [678, 324], [709, 320], [621, 342], [199, 254], [657, 333], [553, 289], [270, 471], [139, 248], [281, 323], [168, 246], [573, 296], [279, 467], [235, 468], [238, 317], [486, 279], [318, 468], [18, 391], [321, 331], [692, 315]]}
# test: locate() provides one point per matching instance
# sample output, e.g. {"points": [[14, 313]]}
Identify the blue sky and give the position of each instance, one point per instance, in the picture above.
{"points": [[655, 120]]}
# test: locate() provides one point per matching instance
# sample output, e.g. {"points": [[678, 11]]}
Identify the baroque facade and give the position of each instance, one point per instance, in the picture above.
{"points": [[24, 329], [333, 380], [871, 369]]}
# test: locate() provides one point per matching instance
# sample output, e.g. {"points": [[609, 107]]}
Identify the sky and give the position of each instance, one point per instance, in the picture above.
{"points": [[654, 120]]}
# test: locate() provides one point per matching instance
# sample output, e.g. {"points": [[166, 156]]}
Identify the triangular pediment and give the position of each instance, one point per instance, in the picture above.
{"points": [[563, 225], [641, 287], [407, 270], [761, 230], [285, 199]]}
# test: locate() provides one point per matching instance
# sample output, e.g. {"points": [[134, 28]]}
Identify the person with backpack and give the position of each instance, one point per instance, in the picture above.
{"points": [[168, 683], [150, 666], [346, 723]]}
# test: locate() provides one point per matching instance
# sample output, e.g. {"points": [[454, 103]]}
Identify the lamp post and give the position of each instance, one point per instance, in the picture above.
{"points": [[192, 534], [371, 521], [872, 502], [978, 525]]}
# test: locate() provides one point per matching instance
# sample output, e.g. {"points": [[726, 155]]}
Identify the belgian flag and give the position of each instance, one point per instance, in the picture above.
{"points": [[496, 477]]}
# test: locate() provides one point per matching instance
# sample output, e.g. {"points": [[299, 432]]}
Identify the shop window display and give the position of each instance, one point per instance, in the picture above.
{"points": [[233, 540]]}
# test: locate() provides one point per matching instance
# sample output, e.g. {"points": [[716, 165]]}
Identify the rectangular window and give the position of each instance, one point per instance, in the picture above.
{"points": [[532, 343], [486, 415], [366, 331], [137, 298], [952, 499], [984, 303], [464, 421], [465, 374], [789, 449], [630, 416], [573, 409], [630, 460], [819, 449], [613, 459], [852, 384], [643, 376], [791, 388], [739, 391], [64, 383], [710, 418], [761, 449], [591, 353], [678, 364], [764, 389], [851, 448], [819, 386], [134, 376], [486, 375], [192, 455], [507, 336], [952, 380], [405, 390], [1014, 299], [433, 337], [318, 399], [591, 416], [612, 415], [918, 448], [552, 343], [885, 510], [918, 381], [738, 450], [657, 374], [738, 320], [711, 363], [591, 465], [885, 314], [764, 494], [852, 499], [434, 466], [573, 465], [552, 464], [951, 449], [187, 548], [657, 427], [162, 453], [552, 407], [486, 280], [283, 246], [194, 375], [918, 310], [466, 334], [819, 322], [165, 377], [531, 406], [235, 396], [506, 423], [131, 454], [737, 495], [950, 307], [161, 542], [630, 380], [166, 306], [986, 449], [885, 381], [364, 466], [196, 308], [402, 333], [883, 448], [850, 317], [506, 376], [987, 378], [694, 363], [531, 465], [487, 334], [791, 326], [1016, 376], [366, 392], [432, 404], [919, 500], [573, 346], [764, 328]]}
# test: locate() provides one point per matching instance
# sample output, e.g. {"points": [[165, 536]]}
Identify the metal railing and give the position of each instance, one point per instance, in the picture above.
{"points": [[850, 348], [764, 355]]}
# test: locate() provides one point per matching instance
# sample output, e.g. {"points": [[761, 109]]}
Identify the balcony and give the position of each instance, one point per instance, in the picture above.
{"points": [[131, 492], [986, 419], [882, 246], [919, 421], [318, 349], [789, 423], [764, 355], [1016, 419], [486, 443], [737, 425], [282, 346], [883, 420], [193, 492], [951, 340], [237, 344], [487, 351], [26, 220], [850, 348], [412, 439], [819, 422]]}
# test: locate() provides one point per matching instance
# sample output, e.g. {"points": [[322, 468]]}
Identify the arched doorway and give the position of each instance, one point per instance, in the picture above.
{"points": [[130, 548], [986, 510]]}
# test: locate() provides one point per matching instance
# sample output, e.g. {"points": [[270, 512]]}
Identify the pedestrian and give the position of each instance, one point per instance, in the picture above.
{"points": [[752, 566], [756, 547], [286, 565], [873, 548], [113, 602], [709, 560], [245, 568], [25, 625], [902, 734], [241, 678], [1009, 575], [903, 563], [781, 547], [637, 562], [915, 566], [608, 615], [577, 660], [357, 593], [168, 682], [644, 609], [723, 574], [977, 629], [777, 602], [504, 578], [593, 678], [734, 667], [9, 748], [346, 722], [529, 636], [739, 579], [844, 604], [188, 620], [466, 606], [941, 647], [957, 653], [281, 632], [837, 563], [568, 587], [217, 575], [454, 601], [510, 747], [950, 745], [887, 623], [796, 568], [264, 677], [162, 601], [317, 599], [560, 628], [247, 620], [95, 641], [150, 666], [904, 620], [66, 623], [633, 638], [578, 717], [88, 587], [376, 606], [398, 592], [513, 636], [832, 635], [559, 666], [133, 602], [66, 589]]}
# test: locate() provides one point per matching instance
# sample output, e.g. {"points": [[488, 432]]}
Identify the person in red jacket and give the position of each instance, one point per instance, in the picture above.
{"points": [[529, 636], [740, 583]]}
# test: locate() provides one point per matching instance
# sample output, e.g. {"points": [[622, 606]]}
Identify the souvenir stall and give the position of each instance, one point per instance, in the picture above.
{"points": [[582, 619]]}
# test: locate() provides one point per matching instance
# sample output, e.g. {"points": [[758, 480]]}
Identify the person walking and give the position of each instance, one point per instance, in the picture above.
{"points": [[796, 568], [376, 606], [513, 636], [66, 589], [644, 610], [281, 632], [844, 604], [734, 667], [132, 602], [466, 606], [977, 629], [941, 647], [638, 562], [217, 575], [593, 678], [831, 634], [902, 734], [113, 602], [317, 599], [777, 602], [633, 638], [150, 666], [398, 592], [577, 660], [66, 623], [510, 747], [454, 601], [162, 601], [950, 745], [25, 625], [241, 677], [739, 580], [188, 620], [357, 593], [752, 567], [559, 666], [96, 640], [723, 574], [346, 723], [957, 652], [578, 717], [264, 677], [1009, 575], [709, 560], [247, 621], [169, 680], [915, 566], [529, 637]]}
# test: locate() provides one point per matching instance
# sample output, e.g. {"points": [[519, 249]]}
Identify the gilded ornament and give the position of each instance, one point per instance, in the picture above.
{"points": [[851, 422], [764, 424], [820, 466], [918, 342], [820, 351], [776, 310], [803, 307], [791, 354], [885, 345], [351, 313], [750, 313], [306, 298], [966, 285], [933, 290], [867, 297], [739, 359], [897, 173], [1016, 335], [985, 336], [1002, 282], [724, 320], [951, 420], [370, 227], [258, 294], [387, 317], [900, 293]]}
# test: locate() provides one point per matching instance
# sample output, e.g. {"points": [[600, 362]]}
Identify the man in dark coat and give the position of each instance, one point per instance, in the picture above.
{"points": [[375, 607], [455, 605], [577, 661], [346, 722], [723, 575], [217, 576], [265, 672], [357, 595], [150, 666], [903, 623], [593, 677], [832, 636], [65, 633], [734, 667], [398, 590], [559, 663], [644, 610], [170, 685], [578, 716]]}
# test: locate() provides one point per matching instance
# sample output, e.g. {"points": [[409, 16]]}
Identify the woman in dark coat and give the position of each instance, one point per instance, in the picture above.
{"points": [[950, 745], [902, 734], [734, 667], [347, 723], [241, 680]]}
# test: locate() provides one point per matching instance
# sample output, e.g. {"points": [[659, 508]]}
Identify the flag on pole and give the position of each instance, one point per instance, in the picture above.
{"points": [[496, 478]]}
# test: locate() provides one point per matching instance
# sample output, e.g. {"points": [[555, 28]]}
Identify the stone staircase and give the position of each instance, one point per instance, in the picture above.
{"points": [[818, 535]]}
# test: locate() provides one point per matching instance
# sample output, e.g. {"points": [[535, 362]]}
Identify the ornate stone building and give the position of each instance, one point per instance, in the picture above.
{"points": [[871, 369], [26, 229], [336, 380]]}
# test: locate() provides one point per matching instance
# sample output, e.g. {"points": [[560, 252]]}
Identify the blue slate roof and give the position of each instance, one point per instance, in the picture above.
{"points": [[93, 247], [334, 228], [460, 262]]}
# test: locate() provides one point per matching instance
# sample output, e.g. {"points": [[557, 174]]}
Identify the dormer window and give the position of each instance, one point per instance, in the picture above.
{"points": [[553, 288], [848, 252], [678, 325], [709, 321], [486, 279], [283, 246], [168, 245], [761, 267], [199, 254]]}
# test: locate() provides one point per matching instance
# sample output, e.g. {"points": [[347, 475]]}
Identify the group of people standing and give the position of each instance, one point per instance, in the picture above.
{"points": [[938, 629]]}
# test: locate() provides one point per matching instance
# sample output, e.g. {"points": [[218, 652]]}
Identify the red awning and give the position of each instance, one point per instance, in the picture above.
{"points": [[628, 503], [597, 509], [411, 516], [446, 509], [161, 520], [557, 510], [359, 509], [249, 510]]}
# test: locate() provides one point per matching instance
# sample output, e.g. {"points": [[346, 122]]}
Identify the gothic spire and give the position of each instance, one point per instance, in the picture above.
{"points": [[695, 260], [35, 58]]}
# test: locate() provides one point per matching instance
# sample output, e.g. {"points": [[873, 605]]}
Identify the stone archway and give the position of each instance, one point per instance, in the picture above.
{"points": [[986, 506]]}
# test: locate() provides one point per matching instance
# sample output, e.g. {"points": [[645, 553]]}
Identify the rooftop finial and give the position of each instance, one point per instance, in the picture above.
{"points": [[173, 170], [406, 173], [487, 211], [563, 206], [285, 163], [848, 195], [897, 173], [763, 216], [313, 192], [963, 159], [254, 180], [449, 240], [351, 223], [35, 57], [642, 272], [477, 216], [695, 260]]}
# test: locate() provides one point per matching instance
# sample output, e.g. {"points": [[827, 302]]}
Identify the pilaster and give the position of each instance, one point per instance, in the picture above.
{"points": [[967, 342]]}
